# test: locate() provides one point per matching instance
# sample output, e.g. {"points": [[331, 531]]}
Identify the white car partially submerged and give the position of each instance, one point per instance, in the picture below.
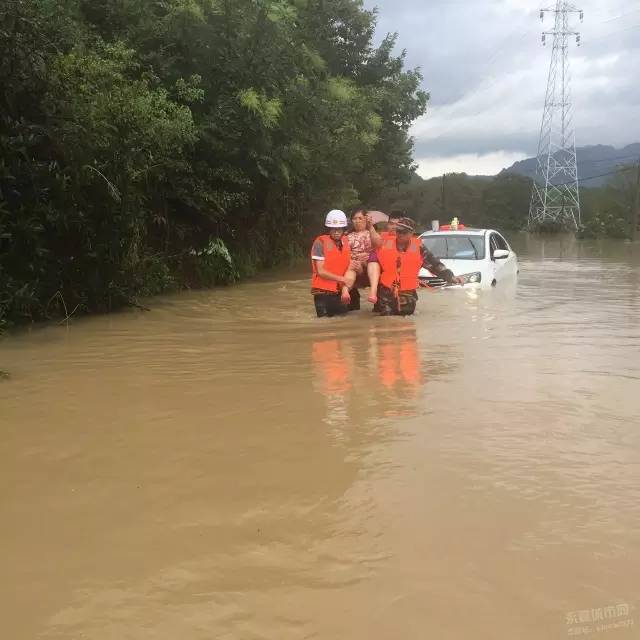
{"points": [[481, 256]]}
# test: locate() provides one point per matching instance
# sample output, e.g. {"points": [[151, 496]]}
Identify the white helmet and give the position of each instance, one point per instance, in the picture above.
{"points": [[336, 219]]}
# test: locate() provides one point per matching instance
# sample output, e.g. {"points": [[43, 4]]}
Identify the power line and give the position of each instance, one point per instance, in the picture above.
{"points": [[481, 85], [489, 79], [613, 33], [631, 157], [602, 175], [622, 15]]}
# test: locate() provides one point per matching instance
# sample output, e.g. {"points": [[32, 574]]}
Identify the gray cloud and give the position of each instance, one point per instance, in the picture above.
{"points": [[486, 70]]}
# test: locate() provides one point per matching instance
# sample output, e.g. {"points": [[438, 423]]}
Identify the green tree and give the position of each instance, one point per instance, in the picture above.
{"points": [[149, 144]]}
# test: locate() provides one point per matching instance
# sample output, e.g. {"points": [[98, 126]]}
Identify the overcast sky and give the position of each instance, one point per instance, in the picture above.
{"points": [[486, 70]]}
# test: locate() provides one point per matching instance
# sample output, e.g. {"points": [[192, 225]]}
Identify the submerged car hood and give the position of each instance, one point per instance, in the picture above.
{"points": [[459, 267]]}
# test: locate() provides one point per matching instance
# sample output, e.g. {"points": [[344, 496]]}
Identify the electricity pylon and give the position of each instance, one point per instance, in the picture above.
{"points": [[556, 191]]}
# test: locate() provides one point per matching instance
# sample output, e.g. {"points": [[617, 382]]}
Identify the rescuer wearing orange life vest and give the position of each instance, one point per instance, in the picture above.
{"points": [[332, 277], [394, 216], [401, 257], [373, 268]]}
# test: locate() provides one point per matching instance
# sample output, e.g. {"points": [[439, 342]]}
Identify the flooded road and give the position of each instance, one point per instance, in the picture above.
{"points": [[227, 466]]}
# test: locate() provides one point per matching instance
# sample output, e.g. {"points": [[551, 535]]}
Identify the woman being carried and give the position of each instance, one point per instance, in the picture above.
{"points": [[364, 240]]}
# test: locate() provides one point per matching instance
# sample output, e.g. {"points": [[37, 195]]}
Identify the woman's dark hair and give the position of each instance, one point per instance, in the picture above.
{"points": [[357, 210]]}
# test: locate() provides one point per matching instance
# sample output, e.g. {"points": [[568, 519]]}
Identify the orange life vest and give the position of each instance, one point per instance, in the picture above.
{"points": [[336, 261], [405, 264]]}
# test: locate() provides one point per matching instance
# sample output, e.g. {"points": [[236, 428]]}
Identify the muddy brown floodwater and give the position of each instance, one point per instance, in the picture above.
{"points": [[229, 467]]}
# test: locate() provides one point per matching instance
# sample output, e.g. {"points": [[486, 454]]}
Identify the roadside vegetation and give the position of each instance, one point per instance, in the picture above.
{"points": [[503, 202], [147, 145]]}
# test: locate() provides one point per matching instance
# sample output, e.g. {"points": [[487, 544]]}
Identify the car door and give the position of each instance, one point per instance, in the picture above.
{"points": [[498, 266], [505, 267], [511, 263]]}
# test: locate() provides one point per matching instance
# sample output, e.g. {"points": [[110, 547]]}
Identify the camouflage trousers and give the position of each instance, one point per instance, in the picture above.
{"points": [[389, 305]]}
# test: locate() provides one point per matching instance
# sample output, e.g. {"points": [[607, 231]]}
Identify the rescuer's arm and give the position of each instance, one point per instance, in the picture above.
{"points": [[327, 275], [430, 262]]}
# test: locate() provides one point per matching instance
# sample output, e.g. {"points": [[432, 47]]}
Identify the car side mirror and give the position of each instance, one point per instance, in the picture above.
{"points": [[500, 254]]}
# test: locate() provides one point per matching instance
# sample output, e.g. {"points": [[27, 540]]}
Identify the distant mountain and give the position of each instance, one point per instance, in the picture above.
{"points": [[417, 179], [593, 161]]}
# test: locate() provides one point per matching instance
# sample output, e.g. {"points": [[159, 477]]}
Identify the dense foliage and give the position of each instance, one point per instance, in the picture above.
{"points": [[610, 210], [149, 144], [503, 202]]}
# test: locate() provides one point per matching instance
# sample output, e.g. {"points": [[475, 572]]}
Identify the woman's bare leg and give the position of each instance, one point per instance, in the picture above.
{"points": [[373, 269]]}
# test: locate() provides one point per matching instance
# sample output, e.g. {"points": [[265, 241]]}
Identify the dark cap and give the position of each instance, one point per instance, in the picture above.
{"points": [[405, 224]]}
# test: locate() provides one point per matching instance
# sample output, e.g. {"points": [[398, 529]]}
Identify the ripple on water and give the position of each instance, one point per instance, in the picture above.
{"points": [[229, 466]]}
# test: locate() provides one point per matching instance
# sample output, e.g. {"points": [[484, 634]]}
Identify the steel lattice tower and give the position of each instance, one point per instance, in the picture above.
{"points": [[556, 192]]}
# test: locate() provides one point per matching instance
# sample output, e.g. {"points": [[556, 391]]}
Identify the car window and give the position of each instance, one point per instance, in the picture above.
{"points": [[496, 241], [437, 245], [455, 247], [501, 242]]}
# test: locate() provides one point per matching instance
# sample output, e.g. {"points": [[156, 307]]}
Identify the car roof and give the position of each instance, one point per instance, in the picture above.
{"points": [[449, 232]]}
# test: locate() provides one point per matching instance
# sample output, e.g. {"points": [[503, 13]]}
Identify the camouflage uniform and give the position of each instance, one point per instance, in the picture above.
{"points": [[402, 305]]}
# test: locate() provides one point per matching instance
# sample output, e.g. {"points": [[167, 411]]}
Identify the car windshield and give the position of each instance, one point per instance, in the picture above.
{"points": [[455, 247]]}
